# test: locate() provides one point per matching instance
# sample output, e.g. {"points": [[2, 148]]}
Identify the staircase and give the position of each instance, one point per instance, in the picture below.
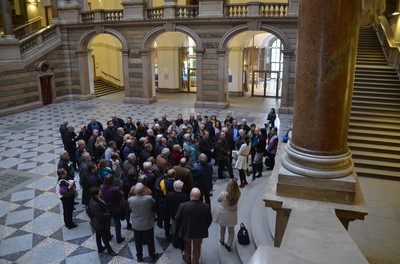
{"points": [[374, 130], [102, 88]]}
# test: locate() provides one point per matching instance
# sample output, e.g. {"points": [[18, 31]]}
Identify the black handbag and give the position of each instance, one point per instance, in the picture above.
{"points": [[243, 235]]}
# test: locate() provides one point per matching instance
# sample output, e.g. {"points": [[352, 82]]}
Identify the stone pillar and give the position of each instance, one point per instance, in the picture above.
{"points": [[7, 21], [144, 96], [199, 75], [54, 11], [211, 8], [134, 9], [254, 9], [317, 163], [285, 96], [169, 8], [293, 9], [69, 12], [84, 72]]}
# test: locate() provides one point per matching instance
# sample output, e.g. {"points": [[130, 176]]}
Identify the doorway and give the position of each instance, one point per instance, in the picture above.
{"points": [[45, 87], [265, 83]]}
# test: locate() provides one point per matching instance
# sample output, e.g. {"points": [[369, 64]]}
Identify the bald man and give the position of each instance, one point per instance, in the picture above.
{"points": [[192, 222]]}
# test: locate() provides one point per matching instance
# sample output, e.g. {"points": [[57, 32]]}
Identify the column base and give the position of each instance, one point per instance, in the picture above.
{"points": [[168, 90], [139, 100], [209, 104], [336, 190]]}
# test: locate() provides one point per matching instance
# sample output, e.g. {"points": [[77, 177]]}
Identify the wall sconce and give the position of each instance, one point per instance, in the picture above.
{"points": [[396, 13], [32, 2]]}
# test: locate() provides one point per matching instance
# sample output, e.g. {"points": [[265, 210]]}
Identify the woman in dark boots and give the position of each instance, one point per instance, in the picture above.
{"points": [[100, 221], [259, 150]]}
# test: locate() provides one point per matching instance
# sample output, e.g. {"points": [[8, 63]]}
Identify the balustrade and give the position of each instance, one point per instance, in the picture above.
{"points": [[38, 38], [274, 10], [188, 11], [239, 10], [87, 16], [155, 13]]}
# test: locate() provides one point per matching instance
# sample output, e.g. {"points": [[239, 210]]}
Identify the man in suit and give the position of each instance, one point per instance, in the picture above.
{"points": [[185, 175], [193, 220], [142, 219]]}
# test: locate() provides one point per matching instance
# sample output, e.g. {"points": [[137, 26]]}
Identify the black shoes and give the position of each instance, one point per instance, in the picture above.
{"points": [[228, 248], [129, 226], [110, 238], [119, 241], [222, 242], [139, 259], [111, 252], [154, 257], [100, 250], [72, 226]]}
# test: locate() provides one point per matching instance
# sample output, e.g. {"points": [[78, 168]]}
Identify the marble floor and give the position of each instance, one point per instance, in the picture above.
{"points": [[31, 226]]}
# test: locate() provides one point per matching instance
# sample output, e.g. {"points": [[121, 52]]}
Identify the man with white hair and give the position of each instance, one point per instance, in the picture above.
{"points": [[192, 222], [163, 160], [129, 163], [151, 178], [174, 199], [202, 177], [243, 125], [142, 219]]}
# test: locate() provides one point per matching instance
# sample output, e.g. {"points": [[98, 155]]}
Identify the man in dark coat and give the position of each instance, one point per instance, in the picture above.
{"points": [[100, 219], [118, 122], [129, 125], [110, 132], [193, 220], [94, 125], [70, 144], [174, 199], [206, 145], [64, 131], [202, 177], [89, 180], [223, 154], [84, 134], [92, 140]]}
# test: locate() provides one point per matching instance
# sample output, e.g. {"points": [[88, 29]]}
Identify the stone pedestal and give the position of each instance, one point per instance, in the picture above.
{"points": [[69, 12], [133, 9], [318, 151], [9, 50], [211, 8]]}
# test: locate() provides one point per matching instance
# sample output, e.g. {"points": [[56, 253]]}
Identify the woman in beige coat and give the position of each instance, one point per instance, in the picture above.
{"points": [[227, 213], [242, 162]]}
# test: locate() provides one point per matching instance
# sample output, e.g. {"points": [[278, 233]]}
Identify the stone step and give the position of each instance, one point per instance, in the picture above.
{"points": [[377, 76], [365, 101], [366, 113], [376, 133], [372, 138], [250, 194], [374, 127], [374, 148], [377, 100], [365, 155], [376, 88], [371, 63], [367, 172], [377, 94], [371, 80], [259, 222], [376, 121], [377, 165]]}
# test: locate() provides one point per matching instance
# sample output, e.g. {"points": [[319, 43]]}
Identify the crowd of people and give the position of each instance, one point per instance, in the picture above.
{"points": [[163, 173]]}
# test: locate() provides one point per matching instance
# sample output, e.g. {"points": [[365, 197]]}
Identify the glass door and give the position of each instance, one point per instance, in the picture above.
{"points": [[266, 84]]}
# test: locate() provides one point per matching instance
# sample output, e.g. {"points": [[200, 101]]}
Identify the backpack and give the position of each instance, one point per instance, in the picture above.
{"points": [[243, 235]]}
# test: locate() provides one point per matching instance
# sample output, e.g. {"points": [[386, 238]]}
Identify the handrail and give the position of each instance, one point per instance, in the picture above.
{"points": [[37, 38], [24, 30], [106, 74], [386, 38]]}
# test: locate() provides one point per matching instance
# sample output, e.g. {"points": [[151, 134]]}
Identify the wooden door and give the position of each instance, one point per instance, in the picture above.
{"points": [[45, 86]]}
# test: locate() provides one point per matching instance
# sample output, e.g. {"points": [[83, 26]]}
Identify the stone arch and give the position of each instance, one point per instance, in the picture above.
{"points": [[287, 54], [83, 57], [88, 35], [146, 58], [154, 33], [242, 28]]}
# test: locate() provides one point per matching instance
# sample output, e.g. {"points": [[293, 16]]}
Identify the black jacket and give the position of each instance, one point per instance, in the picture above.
{"points": [[193, 219], [88, 181], [100, 215], [174, 199]]}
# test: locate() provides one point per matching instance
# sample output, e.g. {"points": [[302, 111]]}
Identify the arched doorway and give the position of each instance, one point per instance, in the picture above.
{"points": [[110, 41], [106, 66], [255, 65], [174, 63]]}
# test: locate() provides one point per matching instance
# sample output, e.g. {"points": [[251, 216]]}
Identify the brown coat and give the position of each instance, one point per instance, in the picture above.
{"points": [[222, 149], [185, 175], [162, 163]]}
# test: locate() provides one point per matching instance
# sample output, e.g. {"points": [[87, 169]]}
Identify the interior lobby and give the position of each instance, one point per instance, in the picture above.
{"points": [[326, 201]]}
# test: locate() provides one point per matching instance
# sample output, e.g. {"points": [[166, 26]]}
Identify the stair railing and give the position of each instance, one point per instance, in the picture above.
{"points": [[390, 48]]}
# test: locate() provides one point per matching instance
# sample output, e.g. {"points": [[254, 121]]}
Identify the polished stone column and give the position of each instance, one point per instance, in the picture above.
{"points": [[6, 18], [317, 163]]}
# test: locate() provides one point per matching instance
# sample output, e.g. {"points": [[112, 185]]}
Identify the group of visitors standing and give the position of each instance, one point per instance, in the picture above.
{"points": [[131, 171]]}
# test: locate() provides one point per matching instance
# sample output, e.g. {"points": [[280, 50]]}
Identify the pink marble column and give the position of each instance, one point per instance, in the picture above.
{"points": [[326, 55]]}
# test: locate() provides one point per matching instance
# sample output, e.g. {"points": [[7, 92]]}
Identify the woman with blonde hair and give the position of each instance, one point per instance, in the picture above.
{"points": [[99, 148], [227, 213]]}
